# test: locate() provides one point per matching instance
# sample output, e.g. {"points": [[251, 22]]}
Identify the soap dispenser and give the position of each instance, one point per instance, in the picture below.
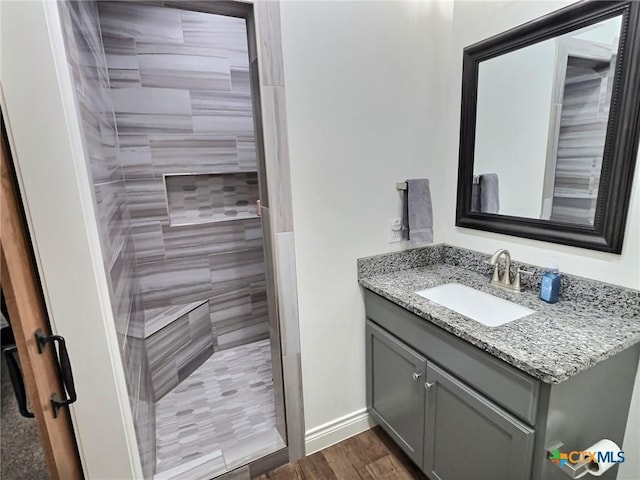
{"points": [[550, 284]]}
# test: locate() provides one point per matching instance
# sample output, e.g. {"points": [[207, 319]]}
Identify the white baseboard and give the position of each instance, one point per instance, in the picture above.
{"points": [[337, 430]]}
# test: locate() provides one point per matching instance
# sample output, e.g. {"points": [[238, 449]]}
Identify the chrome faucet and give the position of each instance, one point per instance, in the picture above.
{"points": [[505, 282]]}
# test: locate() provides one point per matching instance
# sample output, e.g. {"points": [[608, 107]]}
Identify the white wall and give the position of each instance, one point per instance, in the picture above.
{"points": [[474, 21], [512, 124], [364, 92]]}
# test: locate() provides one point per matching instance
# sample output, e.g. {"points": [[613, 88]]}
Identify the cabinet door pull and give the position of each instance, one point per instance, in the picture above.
{"points": [[417, 375], [428, 385]]}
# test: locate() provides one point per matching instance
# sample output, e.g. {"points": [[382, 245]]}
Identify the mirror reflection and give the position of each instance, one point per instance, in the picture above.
{"points": [[542, 114]]}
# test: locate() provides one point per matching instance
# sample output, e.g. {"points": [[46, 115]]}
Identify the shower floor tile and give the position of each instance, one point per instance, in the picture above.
{"points": [[219, 418]]}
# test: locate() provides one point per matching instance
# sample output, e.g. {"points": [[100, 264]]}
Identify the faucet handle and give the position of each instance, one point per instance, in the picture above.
{"points": [[516, 281]]}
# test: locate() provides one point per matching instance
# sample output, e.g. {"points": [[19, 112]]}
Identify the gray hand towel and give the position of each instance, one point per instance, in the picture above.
{"points": [[489, 193], [476, 202], [417, 216]]}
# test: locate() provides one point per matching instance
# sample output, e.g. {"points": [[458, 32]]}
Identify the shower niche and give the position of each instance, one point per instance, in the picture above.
{"points": [[211, 197]]}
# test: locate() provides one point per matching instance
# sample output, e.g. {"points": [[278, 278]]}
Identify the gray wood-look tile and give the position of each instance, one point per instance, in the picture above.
{"points": [[190, 67], [147, 200], [223, 32], [223, 124], [180, 346], [112, 216], [135, 157], [210, 238], [209, 102], [193, 153], [240, 80], [140, 21], [151, 101], [247, 153], [287, 292], [99, 142], [246, 264], [292, 372], [137, 124], [148, 241], [269, 43], [277, 158], [173, 282], [122, 61]]}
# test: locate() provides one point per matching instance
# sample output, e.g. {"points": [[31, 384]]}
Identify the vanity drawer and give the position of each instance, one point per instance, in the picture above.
{"points": [[506, 385]]}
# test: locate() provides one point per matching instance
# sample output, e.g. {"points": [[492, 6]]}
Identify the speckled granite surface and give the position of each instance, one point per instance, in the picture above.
{"points": [[592, 321]]}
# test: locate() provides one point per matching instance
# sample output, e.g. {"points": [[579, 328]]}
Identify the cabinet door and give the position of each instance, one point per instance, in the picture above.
{"points": [[395, 389], [469, 437]]}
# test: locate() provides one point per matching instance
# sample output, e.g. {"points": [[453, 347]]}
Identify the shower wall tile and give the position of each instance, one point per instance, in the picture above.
{"points": [[147, 200], [193, 153], [240, 80], [122, 281], [241, 335], [149, 242], [224, 32], [179, 348], [113, 217], [101, 154], [229, 124], [122, 61], [140, 21], [140, 124], [161, 349], [189, 67], [182, 104], [88, 64], [135, 156], [174, 282], [152, 101], [247, 264], [209, 102], [211, 238], [246, 153]]}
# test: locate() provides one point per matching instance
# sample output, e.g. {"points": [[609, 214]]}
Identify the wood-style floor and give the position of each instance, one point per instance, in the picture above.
{"points": [[371, 455]]}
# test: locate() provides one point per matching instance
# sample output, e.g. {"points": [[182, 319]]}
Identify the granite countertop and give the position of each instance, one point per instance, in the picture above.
{"points": [[554, 343]]}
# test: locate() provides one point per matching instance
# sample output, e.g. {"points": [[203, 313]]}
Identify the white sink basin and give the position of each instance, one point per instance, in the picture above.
{"points": [[479, 306]]}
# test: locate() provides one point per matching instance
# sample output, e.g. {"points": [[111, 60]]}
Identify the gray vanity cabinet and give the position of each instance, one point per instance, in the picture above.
{"points": [[468, 436], [395, 389], [463, 414]]}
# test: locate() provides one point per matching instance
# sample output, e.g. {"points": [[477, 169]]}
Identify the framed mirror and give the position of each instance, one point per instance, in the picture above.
{"points": [[550, 127]]}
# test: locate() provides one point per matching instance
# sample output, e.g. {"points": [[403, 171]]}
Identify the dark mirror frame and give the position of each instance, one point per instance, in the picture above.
{"points": [[623, 129]]}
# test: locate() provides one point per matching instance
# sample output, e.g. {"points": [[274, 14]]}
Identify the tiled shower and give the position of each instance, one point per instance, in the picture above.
{"points": [[165, 108]]}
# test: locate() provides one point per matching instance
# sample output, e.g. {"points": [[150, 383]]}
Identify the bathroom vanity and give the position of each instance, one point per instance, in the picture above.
{"points": [[469, 401]]}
